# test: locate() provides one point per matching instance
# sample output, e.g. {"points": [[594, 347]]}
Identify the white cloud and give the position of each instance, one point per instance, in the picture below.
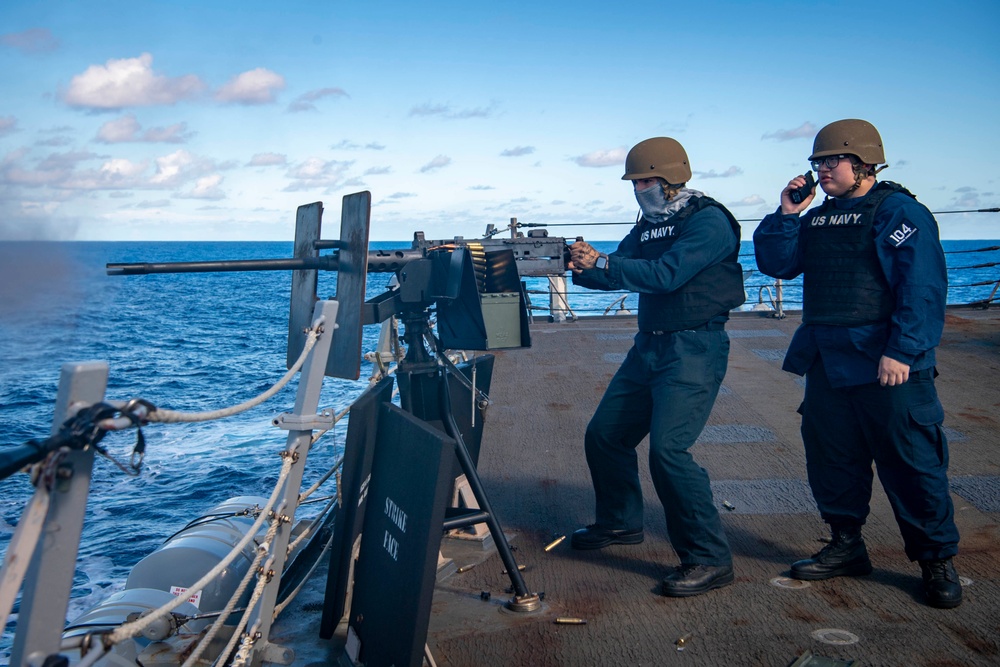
{"points": [[316, 174], [54, 170], [8, 125], [123, 168], [478, 112], [55, 142], [306, 101], [171, 134], [346, 145], [445, 111], [171, 169], [118, 131], [256, 86], [159, 203], [393, 199], [728, 173], [428, 109], [607, 158], [967, 197], [68, 174], [267, 160], [13, 157], [114, 174], [33, 40], [128, 82], [56, 161], [206, 187], [752, 200], [804, 131], [517, 151], [127, 129], [439, 162]]}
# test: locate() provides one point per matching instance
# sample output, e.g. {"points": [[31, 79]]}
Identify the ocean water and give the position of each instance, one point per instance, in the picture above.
{"points": [[197, 342], [185, 342]]}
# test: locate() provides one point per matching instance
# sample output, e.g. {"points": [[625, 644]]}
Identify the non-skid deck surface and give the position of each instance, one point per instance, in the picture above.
{"points": [[533, 468]]}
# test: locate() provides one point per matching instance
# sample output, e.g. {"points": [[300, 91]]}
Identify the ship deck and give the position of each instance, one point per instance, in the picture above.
{"points": [[533, 468]]}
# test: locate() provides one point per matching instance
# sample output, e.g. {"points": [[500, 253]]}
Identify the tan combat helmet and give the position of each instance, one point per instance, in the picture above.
{"points": [[849, 137], [661, 157]]}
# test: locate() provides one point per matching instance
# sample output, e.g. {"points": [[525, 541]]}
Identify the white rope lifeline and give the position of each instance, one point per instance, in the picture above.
{"points": [[322, 480], [134, 629], [247, 642], [174, 417], [312, 526], [262, 551], [291, 596]]}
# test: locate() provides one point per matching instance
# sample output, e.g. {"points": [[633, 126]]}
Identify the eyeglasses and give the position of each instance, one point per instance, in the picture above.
{"points": [[830, 161]]}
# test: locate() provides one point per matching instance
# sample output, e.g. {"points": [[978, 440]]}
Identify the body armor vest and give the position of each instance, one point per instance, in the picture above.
{"points": [[714, 291], [843, 284]]}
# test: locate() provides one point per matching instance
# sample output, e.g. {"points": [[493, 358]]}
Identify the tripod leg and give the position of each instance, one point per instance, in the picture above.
{"points": [[523, 599]]}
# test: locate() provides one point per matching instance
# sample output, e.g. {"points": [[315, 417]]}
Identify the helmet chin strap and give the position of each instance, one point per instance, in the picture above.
{"points": [[861, 172]]}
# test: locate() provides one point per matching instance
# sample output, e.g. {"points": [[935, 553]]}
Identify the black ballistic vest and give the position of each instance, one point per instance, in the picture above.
{"points": [[843, 283], [712, 292]]}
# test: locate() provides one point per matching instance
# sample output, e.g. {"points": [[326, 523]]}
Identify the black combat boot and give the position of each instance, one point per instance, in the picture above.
{"points": [[844, 556], [688, 580], [941, 584], [595, 536]]}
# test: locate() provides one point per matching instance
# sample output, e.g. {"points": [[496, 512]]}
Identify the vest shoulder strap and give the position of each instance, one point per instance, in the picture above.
{"points": [[696, 204]]}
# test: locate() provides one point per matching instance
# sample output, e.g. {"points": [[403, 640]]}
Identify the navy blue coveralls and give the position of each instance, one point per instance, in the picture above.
{"points": [[848, 419], [665, 388]]}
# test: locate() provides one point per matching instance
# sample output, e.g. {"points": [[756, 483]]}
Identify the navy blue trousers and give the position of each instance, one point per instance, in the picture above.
{"points": [[665, 388], [898, 428]]}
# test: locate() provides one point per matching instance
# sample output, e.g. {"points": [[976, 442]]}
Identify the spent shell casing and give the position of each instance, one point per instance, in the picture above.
{"points": [[682, 642], [520, 568], [554, 543], [570, 620], [728, 505], [465, 568]]}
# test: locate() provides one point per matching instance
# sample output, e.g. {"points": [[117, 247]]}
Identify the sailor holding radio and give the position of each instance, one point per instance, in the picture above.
{"points": [[874, 294]]}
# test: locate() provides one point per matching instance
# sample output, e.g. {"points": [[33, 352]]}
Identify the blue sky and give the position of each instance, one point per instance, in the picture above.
{"points": [[214, 120]]}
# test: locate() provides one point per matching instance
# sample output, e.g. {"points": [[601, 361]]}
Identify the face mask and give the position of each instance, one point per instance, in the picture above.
{"points": [[653, 203]]}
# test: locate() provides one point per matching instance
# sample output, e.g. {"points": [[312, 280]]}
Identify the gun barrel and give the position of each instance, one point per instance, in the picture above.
{"points": [[326, 262], [379, 261]]}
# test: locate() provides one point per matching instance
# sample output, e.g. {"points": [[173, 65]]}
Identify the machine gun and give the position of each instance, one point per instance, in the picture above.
{"points": [[465, 307]]}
